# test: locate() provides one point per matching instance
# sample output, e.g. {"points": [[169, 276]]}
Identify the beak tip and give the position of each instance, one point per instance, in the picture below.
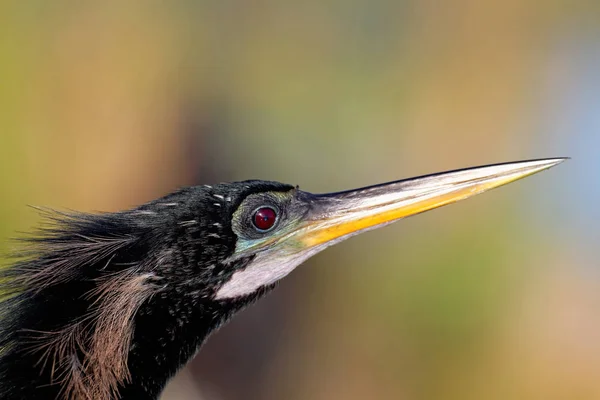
{"points": [[543, 164], [557, 160], [550, 161]]}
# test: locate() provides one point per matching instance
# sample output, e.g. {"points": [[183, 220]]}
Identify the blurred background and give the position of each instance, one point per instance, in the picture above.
{"points": [[105, 105]]}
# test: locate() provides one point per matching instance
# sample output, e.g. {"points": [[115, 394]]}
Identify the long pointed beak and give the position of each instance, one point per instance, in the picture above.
{"points": [[336, 216]]}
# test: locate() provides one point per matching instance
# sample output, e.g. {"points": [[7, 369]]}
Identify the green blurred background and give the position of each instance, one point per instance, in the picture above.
{"points": [[105, 105]]}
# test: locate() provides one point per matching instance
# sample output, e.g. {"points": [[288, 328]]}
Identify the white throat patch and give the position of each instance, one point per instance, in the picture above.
{"points": [[264, 270]]}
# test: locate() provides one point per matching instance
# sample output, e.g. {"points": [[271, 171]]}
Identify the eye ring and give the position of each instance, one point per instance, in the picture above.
{"points": [[264, 218]]}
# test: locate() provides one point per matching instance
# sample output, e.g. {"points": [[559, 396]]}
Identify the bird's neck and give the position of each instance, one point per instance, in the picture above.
{"points": [[163, 342], [166, 338]]}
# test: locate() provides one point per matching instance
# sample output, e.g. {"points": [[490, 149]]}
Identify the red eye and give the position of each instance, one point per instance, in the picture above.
{"points": [[264, 218]]}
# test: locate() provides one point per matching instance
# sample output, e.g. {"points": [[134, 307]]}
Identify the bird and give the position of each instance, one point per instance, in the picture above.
{"points": [[111, 305]]}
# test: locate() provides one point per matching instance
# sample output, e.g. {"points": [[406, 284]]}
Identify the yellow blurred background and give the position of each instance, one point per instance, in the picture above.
{"points": [[105, 105]]}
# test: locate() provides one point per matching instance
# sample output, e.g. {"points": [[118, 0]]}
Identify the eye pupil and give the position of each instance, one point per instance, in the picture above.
{"points": [[264, 218]]}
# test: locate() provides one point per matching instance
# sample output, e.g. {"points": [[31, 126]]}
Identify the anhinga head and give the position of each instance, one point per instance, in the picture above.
{"points": [[112, 305]]}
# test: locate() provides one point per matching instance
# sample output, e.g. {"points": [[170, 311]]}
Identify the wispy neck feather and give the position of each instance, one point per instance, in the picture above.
{"points": [[67, 317]]}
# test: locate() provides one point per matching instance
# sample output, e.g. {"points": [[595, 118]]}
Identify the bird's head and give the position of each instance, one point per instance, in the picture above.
{"points": [[271, 228], [109, 305]]}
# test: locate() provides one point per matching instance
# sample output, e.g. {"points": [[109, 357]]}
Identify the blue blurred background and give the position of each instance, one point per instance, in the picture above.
{"points": [[105, 105]]}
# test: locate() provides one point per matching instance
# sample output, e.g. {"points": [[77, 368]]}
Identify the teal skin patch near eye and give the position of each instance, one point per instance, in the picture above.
{"points": [[250, 239]]}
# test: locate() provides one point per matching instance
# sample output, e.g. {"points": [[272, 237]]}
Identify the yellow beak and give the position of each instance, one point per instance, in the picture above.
{"points": [[336, 216]]}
